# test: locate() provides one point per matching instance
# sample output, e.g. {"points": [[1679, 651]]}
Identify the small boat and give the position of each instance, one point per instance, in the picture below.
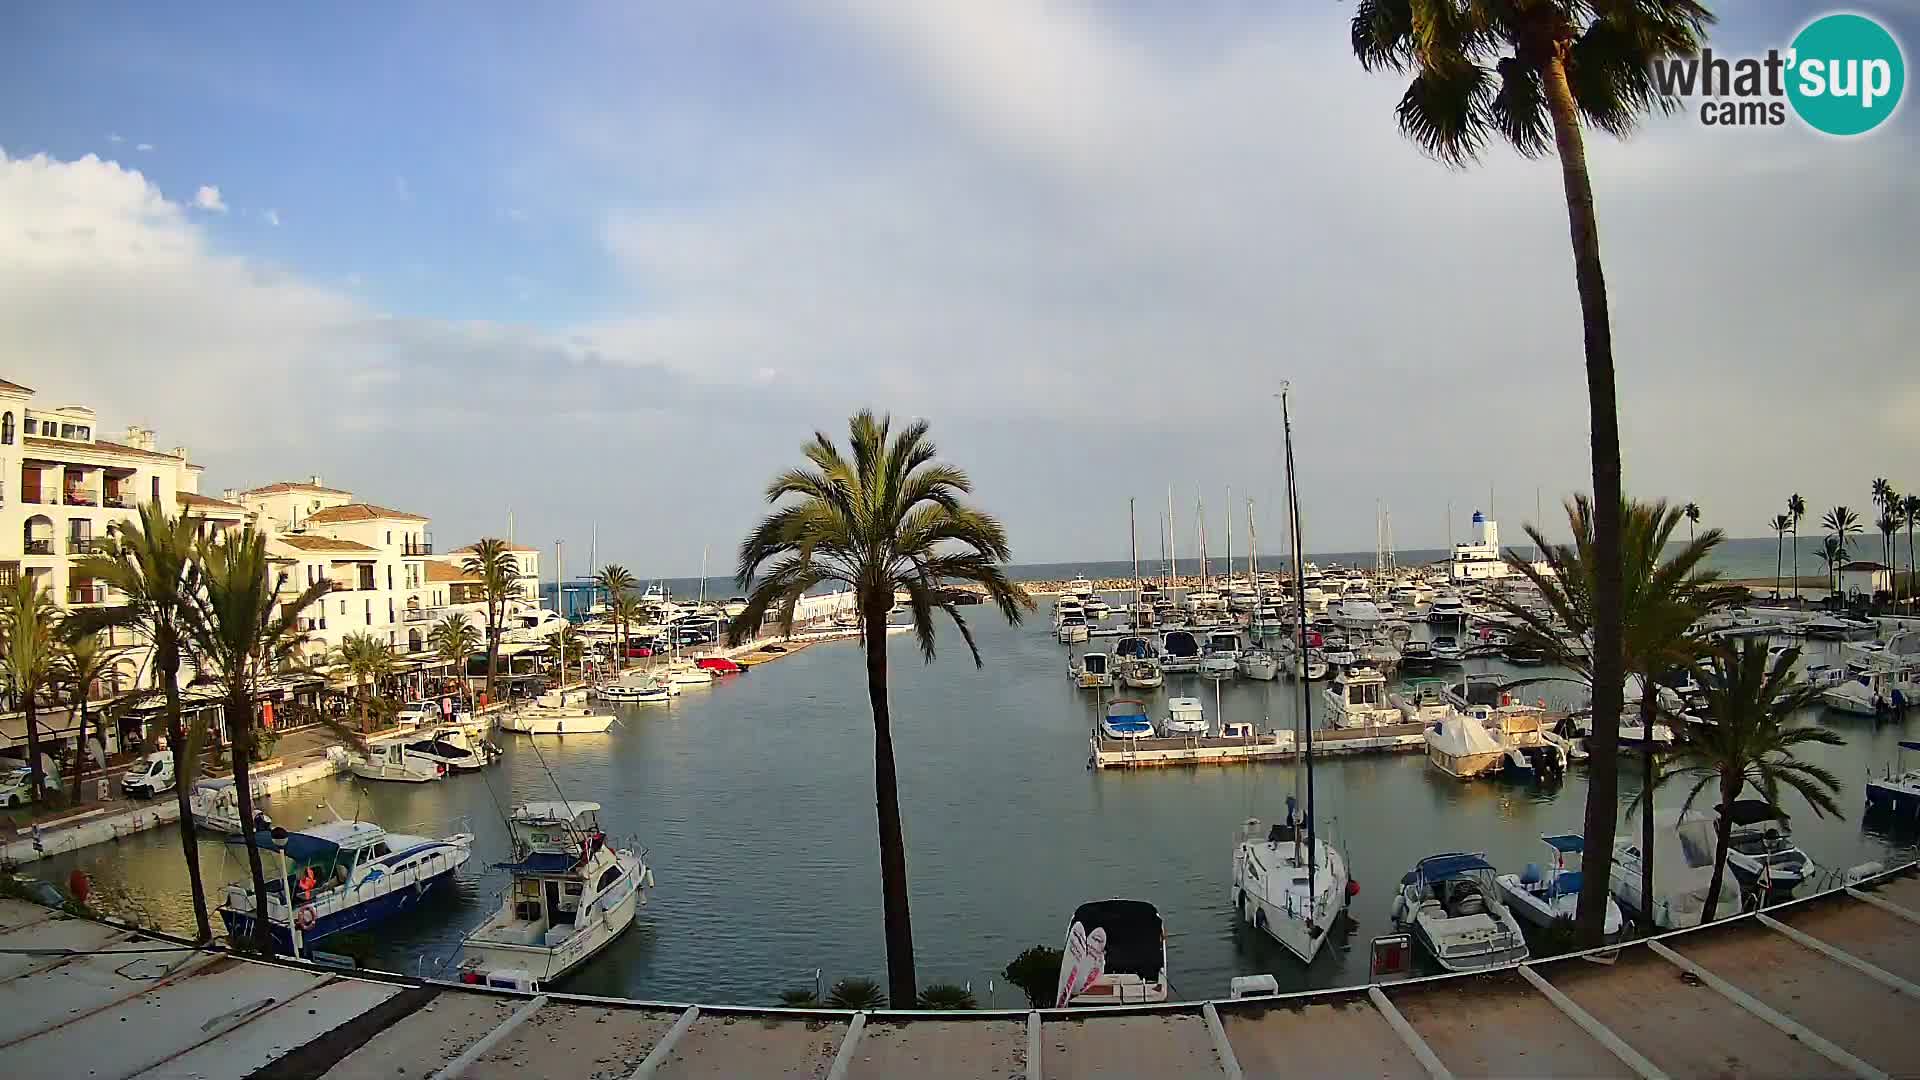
{"points": [[1116, 954], [1533, 754], [1461, 747], [557, 713], [1091, 671], [1356, 611], [1267, 624], [1417, 656], [1142, 673], [1126, 718], [1222, 657], [1073, 629], [1872, 689], [688, 673], [719, 665], [1097, 609], [450, 745], [1339, 653], [1447, 610], [1446, 650], [1277, 893], [1683, 846], [1837, 628], [1179, 652], [344, 875], [1543, 896], [652, 690], [1896, 792], [215, 804], [1185, 716], [1760, 848], [1452, 905], [1080, 589], [1421, 702], [1258, 663], [1357, 697], [573, 893], [388, 759]]}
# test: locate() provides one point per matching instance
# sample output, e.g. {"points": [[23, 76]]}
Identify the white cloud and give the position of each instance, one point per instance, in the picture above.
{"points": [[145, 146], [271, 217], [113, 138], [208, 198]]}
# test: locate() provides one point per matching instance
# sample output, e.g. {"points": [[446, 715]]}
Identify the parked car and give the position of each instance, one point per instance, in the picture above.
{"points": [[151, 775], [16, 787]]}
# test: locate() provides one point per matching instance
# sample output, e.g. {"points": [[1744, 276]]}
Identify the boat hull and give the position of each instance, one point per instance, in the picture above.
{"points": [[548, 965], [378, 909], [557, 725]]}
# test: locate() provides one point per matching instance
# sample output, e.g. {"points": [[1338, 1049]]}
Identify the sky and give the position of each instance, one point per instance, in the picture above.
{"points": [[607, 266]]}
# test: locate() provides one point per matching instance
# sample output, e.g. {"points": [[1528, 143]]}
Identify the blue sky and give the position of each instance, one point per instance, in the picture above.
{"points": [[610, 264]]}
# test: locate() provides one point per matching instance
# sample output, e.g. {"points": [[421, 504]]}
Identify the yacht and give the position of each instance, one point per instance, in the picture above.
{"points": [[1446, 650], [557, 712], [1267, 624], [1073, 628], [1421, 702], [1357, 697], [572, 894], [389, 759], [1097, 608], [1179, 652], [1896, 792], [1339, 653], [1065, 606], [1447, 609], [1222, 657], [1533, 753], [1417, 656], [1837, 628], [1258, 663], [1683, 845], [1126, 718], [1091, 671], [1141, 673], [1873, 688], [345, 875], [1185, 716], [1080, 589], [688, 673], [1452, 904], [1543, 896], [215, 805], [1356, 611], [1278, 892], [450, 745], [1116, 954], [1760, 848], [1461, 747]]}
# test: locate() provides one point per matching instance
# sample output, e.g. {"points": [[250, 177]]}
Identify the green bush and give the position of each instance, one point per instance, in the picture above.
{"points": [[856, 993], [1036, 971], [947, 996], [799, 999]]}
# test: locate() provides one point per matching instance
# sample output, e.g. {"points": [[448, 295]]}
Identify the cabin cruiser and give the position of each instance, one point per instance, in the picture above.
{"points": [[1316, 601], [390, 759], [525, 623], [1543, 896], [1126, 718], [1873, 688], [1065, 606], [1091, 671], [1452, 904], [1097, 608], [1357, 697], [1446, 650], [650, 690], [1356, 611], [1311, 667], [1258, 663], [1421, 702], [1267, 624], [1460, 746], [1532, 753], [1222, 657], [557, 712], [1141, 674], [1447, 609], [689, 673], [450, 745], [1080, 589], [1683, 845], [1338, 653], [1896, 792], [1760, 847], [1073, 628], [1185, 716], [1837, 628], [1116, 954], [344, 875], [1278, 893], [1418, 656], [572, 894], [1141, 615], [215, 804], [1179, 652]]}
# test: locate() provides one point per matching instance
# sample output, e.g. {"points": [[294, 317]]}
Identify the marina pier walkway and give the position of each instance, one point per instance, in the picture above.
{"points": [[1824, 986]]}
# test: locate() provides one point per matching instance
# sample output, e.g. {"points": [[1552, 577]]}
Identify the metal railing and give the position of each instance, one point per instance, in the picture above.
{"points": [[81, 498], [86, 594], [417, 547], [118, 502], [39, 547], [85, 545]]}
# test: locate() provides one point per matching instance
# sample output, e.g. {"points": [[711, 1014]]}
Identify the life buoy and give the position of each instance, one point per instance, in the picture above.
{"points": [[305, 918]]}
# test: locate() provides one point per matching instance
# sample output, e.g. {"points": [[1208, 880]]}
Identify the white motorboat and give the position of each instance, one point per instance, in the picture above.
{"points": [[1357, 697], [342, 876], [1446, 650], [1532, 753], [1278, 892], [1073, 629], [1185, 716], [1339, 653], [1222, 657], [1126, 718], [1267, 624], [1452, 905], [1179, 652], [1258, 663], [1683, 845], [1873, 688], [1543, 896], [1080, 589], [1461, 747], [1896, 791], [450, 745], [557, 713], [1356, 611], [215, 804], [1760, 848], [688, 673], [1421, 702], [1418, 656], [1141, 673], [388, 759], [1116, 954], [1837, 628], [651, 690], [1091, 671], [573, 893], [1097, 609], [1447, 609]]}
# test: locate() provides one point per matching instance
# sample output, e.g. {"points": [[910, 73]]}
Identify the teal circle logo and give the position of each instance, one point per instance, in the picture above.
{"points": [[1847, 74]]}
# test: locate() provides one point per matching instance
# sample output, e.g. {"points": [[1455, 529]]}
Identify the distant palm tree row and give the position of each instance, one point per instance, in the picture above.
{"points": [[1841, 524]]}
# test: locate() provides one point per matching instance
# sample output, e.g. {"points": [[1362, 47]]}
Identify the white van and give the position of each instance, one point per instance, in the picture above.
{"points": [[151, 775]]}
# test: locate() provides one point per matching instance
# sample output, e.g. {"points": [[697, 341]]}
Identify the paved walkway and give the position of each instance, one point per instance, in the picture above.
{"points": [[1821, 987]]}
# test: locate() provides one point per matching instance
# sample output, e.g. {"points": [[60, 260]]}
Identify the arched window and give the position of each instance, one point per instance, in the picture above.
{"points": [[6, 429]]}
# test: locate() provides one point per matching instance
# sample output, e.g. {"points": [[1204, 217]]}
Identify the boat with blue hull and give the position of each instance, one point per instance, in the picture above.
{"points": [[344, 876], [1896, 793]]}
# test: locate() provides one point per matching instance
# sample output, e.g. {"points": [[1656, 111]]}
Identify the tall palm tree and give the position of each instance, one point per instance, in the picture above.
{"points": [[1746, 742], [616, 582], [30, 622], [454, 639], [1910, 510], [1889, 527], [1883, 492], [240, 632], [84, 658], [150, 563], [492, 561], [1692, 511], [1797, 509], [1780, 524], [1663, 598], [366, 658], [1840, 523], [890, 518], [1886, 499], [1834, 554], [626, 610], [1533, 75]]}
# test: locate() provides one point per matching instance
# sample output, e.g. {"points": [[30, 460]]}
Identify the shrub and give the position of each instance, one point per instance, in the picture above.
{"points": [[1036, 971], [857, 994], [799, 999], [947, 996]]}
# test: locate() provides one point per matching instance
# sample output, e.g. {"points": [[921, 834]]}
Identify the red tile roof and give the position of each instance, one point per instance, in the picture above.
{"points": [[5, 385], [207, 502], [322, 543], [510, 547], [275, 489], [102, 446], [360, 512]]}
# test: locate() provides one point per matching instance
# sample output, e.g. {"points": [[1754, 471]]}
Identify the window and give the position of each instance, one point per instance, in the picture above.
{"points": [[369, 611], [612, 875], [83, 432], [379, 851], [32, 425], [66, 431], [156, 489], [389, 575], [389, 537], [389, 604], [6, 429]]}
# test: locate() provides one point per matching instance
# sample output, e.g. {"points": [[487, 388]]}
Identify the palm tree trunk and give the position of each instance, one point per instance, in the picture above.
{"points": [[80, 748], [1729, 789], [493, 648], [1649, 710], [893, 845], [1779, 552], [1911, 595], [361, 685], [36, 774], [1796, 562], [168, 655], [240, 736], [1603, 768]]}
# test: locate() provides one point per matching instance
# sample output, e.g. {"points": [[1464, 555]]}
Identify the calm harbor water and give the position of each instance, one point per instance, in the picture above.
{"points": [[754, 798]]}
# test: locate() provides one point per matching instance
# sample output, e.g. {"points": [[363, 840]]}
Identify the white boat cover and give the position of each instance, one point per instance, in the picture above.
{"points": [[1462, 736]]}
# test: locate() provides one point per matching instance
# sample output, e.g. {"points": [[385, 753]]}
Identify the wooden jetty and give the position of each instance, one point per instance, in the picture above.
{"points": [[1109, 753]]}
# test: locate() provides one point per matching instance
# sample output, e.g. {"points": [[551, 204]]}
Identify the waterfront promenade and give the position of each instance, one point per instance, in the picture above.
{"points": [[1824, 986]]}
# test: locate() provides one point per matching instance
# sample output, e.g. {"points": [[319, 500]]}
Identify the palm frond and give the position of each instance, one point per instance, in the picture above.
{"points": [[1445, 111]]}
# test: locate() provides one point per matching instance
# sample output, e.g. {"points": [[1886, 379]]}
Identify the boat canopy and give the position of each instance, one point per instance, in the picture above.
{"points": [[541, 862], [1566, 843], [1180, 643], [1905, 745], [1135, 936], [1125, 708], [1437, 868]]}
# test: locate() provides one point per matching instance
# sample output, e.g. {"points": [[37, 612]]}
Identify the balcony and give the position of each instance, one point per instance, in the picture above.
{"points": [[417, 547], [119, 502], [37, 497], [86, 594], [85, 545], [420, 614], [39, 547], [81, 498]]}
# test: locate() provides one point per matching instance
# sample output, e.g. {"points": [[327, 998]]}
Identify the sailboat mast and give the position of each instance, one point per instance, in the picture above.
{"points": [[560, 601], [1200, 519], [703, 574], [1306, 693], [1173, 540], [1253, 552], [1165, 580], [1226, 520], [1133, 541]]}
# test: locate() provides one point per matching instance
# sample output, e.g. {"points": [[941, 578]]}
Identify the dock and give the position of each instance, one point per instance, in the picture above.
{"points": [[1823, 986], [1109, 753]]}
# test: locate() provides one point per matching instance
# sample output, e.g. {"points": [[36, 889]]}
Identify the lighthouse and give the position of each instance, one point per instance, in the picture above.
{"points": [[1486, 530], [1479, 558]]}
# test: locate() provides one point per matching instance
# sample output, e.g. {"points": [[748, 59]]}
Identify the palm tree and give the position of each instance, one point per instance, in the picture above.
{"points": [[1692, 511], [241, 631], [1910, 510], [1834, 554], [492, 561], [1780, 524], [366, 659], [1887, 499], [29, 621], [890, 518], [1889, 527], [1840, 523], [1530, 75], [1797, 508], [1663, 598], [454, 639], [83, 659], [151, 564], [614, 579], [626, 609], [1746, 743]]}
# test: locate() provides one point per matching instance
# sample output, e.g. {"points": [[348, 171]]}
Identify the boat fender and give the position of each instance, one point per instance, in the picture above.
{"points": [[305, 918], [1353, 888]]}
